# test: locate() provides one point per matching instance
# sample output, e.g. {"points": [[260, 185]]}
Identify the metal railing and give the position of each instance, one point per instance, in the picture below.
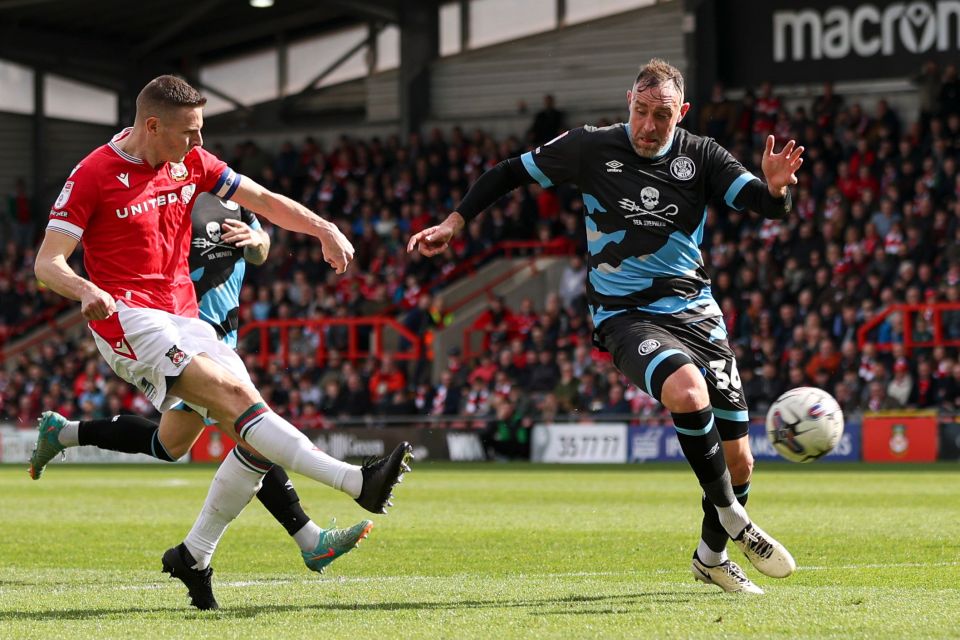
{"points": [[365, 338], [933, 313]]}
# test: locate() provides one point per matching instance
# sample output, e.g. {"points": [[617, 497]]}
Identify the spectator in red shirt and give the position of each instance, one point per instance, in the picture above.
{"points": [[826, 359], [866, 182], [847, 183], [765, 113], [387, 380]]}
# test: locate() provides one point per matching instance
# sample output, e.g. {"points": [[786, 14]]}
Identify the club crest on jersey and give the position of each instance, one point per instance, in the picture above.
{"points": [[64, 195], [648, 346], [682, 168], [178, 171], [186, 194], [176, 355]]}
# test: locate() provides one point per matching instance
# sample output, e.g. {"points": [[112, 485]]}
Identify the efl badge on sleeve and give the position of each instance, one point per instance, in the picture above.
{"points": [[64, 195]]}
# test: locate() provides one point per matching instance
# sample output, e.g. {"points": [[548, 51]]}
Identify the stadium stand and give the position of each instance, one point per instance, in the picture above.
{"points": [[808, 300]]}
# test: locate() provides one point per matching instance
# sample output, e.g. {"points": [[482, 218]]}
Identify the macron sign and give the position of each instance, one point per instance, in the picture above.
{"points": [[867, 30], [817, 40]]}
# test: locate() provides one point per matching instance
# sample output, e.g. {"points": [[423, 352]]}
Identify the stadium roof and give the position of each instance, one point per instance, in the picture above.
{"points": [[114, 42]]}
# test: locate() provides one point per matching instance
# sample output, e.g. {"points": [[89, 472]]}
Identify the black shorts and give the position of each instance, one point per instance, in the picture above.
{"points": [[648, 351]]}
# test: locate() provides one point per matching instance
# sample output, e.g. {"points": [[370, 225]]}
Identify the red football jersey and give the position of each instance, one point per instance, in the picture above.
{"points": [[134, 222]]}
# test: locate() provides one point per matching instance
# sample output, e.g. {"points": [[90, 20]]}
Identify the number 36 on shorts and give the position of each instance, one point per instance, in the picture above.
{"points": [[725, 380]]}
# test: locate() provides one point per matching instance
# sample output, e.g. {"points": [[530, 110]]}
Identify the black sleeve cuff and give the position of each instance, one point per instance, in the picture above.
{"points": [[491, 186], [756, 197]]}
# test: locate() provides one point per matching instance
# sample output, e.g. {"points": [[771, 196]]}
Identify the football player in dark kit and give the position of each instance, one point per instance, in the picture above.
{"points": [[645, 186]]}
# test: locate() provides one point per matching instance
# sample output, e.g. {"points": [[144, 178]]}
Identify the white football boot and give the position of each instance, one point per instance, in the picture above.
{"points": [[769, 556], [727, 575]]}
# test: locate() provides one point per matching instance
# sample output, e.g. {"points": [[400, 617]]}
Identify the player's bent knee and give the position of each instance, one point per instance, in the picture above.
{"points": [[685, 391]]}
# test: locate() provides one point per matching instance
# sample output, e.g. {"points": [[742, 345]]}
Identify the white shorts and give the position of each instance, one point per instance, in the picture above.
{"points": [[148, 348]]}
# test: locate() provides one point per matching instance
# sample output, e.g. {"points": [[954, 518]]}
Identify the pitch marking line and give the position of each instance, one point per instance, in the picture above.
{"points": [[573, 574]]}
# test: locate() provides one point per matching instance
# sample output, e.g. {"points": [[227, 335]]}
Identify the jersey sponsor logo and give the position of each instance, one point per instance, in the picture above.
{"points": [[124, 179], [213, 231], [649, 201], [682, 168], [176, 355], [229, 204], [59, 214], [614, 166], [650, 197], [648, 346], [64, 196], [215, 235], [186, 194], [151, 203], [178, 171]]}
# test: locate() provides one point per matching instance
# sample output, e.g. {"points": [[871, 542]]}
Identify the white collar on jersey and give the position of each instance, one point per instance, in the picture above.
{"points": [[120, 152]]}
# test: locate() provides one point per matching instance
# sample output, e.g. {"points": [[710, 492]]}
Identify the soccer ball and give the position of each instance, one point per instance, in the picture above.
{"points": [[804, 424]]}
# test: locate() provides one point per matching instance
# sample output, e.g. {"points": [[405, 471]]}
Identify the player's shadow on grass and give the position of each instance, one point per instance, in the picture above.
{"points": [[610, 603]]}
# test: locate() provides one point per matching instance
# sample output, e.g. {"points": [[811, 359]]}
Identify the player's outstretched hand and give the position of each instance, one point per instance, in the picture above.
{"points": [[780, 169], [97, 304], [238, 233], [337, 250], [434, 240]]}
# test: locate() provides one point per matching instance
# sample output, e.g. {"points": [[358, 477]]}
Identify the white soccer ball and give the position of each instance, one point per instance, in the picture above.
{"points": [[804, 424]]}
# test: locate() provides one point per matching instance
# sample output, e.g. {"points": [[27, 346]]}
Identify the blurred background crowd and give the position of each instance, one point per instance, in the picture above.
{"points": [[876, 221]]}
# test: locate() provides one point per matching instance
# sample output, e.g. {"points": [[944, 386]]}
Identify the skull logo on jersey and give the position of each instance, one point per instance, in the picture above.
{"points": [[213, 231], [650, 198]]}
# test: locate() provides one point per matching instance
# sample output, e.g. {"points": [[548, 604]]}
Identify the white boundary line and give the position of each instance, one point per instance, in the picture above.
{"points": [[520, 576]]}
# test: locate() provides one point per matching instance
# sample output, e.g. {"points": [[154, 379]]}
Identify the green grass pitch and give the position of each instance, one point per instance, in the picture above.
{"points": [[487, 551]]}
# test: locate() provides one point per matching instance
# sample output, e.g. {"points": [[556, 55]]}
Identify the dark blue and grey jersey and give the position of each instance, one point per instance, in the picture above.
{"points": [[644, 217], [217, 267]]}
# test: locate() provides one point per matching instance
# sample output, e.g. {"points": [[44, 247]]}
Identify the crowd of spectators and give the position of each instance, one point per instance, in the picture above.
{"points": [[876, 222]]}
